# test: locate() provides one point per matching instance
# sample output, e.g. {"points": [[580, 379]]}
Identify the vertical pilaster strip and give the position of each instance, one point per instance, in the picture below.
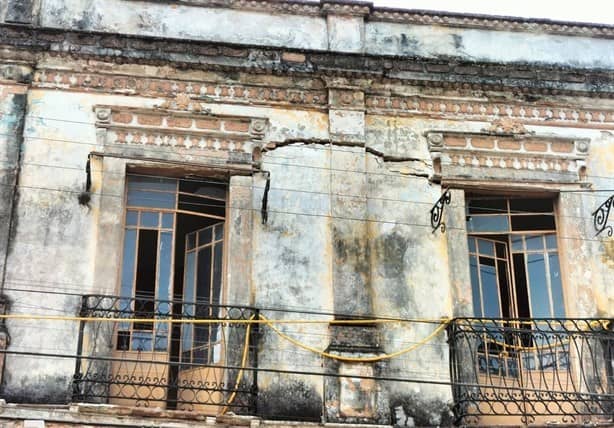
{"points": [[13, 101], [456, 235]]}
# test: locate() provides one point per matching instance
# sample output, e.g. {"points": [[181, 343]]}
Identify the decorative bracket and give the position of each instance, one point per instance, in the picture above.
{"points": [[437, 212], [600, 217]]}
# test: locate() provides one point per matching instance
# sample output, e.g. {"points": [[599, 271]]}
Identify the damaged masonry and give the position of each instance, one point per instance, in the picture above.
{"points": [[273, 213]]}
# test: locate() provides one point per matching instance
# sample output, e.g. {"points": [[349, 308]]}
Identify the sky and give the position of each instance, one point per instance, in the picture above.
{"points": [[596, 11]]}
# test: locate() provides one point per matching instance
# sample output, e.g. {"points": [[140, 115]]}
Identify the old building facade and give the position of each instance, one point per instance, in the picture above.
{"points": [[321, 212]]}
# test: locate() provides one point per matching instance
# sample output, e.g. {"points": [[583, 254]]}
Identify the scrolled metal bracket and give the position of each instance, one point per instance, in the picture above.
{"points": [[600, 217], [437, 212]]}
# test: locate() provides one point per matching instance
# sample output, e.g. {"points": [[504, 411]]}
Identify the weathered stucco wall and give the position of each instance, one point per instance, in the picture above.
{"points": [[13, 106], [354, 172], [330, 29]]}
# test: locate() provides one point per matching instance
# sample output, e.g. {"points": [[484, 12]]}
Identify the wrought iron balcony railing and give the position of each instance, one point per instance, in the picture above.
{"points": [[130, 353], [538, 370]]}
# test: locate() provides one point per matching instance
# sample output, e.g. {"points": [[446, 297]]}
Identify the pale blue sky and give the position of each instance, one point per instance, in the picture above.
{"points": [[598, 11]]}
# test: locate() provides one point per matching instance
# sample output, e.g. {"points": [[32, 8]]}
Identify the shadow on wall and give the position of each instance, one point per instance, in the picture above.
{"points": [[290, 400], [411, 411]]}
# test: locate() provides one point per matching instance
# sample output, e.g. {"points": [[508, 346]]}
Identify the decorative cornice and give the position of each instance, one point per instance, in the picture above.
{"points": [[497, 23], [164, 133], [420, 17], [346, 8], [437, 73], [520, 157], [291, 7], [187, 90], [489, 111]]}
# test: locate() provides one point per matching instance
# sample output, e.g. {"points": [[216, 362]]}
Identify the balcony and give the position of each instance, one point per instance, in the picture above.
{"points": [[538, 371], [150, 361]]}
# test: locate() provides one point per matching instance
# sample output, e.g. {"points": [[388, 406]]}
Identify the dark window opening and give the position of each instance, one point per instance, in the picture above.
{"points": [[515, 273]]}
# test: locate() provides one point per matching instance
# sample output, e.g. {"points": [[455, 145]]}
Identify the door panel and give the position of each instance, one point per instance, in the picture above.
{"points": [[202, 345]]}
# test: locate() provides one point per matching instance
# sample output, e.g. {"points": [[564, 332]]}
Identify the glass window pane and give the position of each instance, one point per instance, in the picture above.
{"points": [[191, 240], [551, 241], [534, 242], [160, 342], [498, 223], [557, 288], [487, 206], [486, 247], [204, 236], [219, 231], [209, 188], [532, 222], [475, 286], [146, 266], [531, 205], [538, 286], [520, 278], [199, 355], [202, 205], [128, 262], [203, 281], [151, 199], [164, 265], [217, 272], [471, 242], [501, 250], [149, 219], [504, 288], [188, 283], [201, 334], [132, 218], [517, 243], [137, 182], [490, 289], [141, 340], [167, 220]]}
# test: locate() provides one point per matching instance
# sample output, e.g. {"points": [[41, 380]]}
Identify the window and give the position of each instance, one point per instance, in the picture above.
{"points": [[515, 274], [513, 258], [173, 251]]}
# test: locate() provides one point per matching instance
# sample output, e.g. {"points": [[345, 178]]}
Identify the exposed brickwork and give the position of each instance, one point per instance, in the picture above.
{"points": [[483, 143], [122, 117], [236, 126], [293, 57], [151, 120], [207, 124], [531, 146], [179, 122], [509, 145], [558, 147]]}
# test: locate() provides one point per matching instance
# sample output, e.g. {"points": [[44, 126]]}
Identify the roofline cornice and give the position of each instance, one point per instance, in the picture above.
{"points": [[409, 16], [24, 45]]}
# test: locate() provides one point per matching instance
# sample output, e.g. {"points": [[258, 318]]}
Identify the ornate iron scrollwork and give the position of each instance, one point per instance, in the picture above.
{"points": [[600, 217], [437, 211]]}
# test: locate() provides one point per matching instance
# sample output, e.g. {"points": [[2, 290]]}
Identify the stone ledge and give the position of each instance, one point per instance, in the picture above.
{"points": [[102, 415]]}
